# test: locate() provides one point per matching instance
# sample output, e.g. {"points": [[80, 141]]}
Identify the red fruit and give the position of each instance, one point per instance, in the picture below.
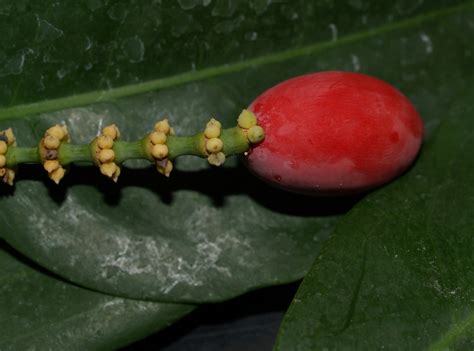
{"points": [[334, 133]]}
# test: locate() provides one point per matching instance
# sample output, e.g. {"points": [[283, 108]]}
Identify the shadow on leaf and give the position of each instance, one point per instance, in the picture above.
{"points": [[217, 184]]}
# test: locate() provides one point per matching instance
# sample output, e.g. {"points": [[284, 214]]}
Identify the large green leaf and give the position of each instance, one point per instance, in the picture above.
{"points": [[195, 237], [40, 310], [397, 274], [190, 238], [57, 48], [208, 235]]}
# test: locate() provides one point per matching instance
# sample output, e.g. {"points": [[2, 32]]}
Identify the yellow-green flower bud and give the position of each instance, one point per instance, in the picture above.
{"points": [[116, 174], [105, 142], [10, 177], [108, 169], [158, 138], [246, 119], [51, 142], [159, 151], [216, 159], [57, 131], [3, 147], [256, 134], [214, 122], [106, 155], [163, 126], [214, 145], [166, 170], [111, 131], [10, 136], [51, 165], [57, 175], [212, 131]]}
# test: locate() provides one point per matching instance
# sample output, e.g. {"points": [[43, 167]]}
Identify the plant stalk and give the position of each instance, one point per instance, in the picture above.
{"points": [[234, 139]]}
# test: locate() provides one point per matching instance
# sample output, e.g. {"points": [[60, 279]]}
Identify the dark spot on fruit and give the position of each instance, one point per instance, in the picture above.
{"points": [[277, 177], [394, 137]]}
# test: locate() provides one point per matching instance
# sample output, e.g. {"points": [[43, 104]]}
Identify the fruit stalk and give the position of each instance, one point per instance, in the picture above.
{"points": [[161, 146]]}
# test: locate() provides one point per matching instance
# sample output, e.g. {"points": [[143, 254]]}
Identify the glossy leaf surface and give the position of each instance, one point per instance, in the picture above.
{"points": [[398, 271], [194, 237], [204, 235], [54, 49], [38, 309]]}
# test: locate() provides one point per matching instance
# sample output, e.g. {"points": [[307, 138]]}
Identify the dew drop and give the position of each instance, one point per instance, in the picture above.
{"points": [[46, 32], [427, 41], [88, 44], [13, 66], [41, 86], [61, 73], [224, 8], [260, 6], [251, 36], [118, 12], [334, 32], [355, 63], [277, 177], [134, 49], [188, 4]]}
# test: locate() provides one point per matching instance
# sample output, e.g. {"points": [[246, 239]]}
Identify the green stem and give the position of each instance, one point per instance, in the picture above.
{"points": [[234, 139], [69, 153], [126, 150], [17, 155], [186, 145]]}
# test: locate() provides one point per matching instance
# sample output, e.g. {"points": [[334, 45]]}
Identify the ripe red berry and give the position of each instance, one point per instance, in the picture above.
{"points": [[334, 133]]}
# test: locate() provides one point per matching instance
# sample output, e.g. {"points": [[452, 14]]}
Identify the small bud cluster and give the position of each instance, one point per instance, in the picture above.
{"points": [[159, 148], [248, 122], [49, 151], [107, 152], [214, 144], [7, 138], [104, 152]]}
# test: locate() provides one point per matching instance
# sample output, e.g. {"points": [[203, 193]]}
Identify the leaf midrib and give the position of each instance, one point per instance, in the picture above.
{"points": [[211, 72], [455, 333]]}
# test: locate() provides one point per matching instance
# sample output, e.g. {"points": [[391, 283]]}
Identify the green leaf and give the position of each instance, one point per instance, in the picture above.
{"points": [[37, 309], [397, 273], [204, 235], [53, 49]]}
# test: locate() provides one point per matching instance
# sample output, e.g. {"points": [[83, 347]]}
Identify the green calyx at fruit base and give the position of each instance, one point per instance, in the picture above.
{"points": [[161, 146]]}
